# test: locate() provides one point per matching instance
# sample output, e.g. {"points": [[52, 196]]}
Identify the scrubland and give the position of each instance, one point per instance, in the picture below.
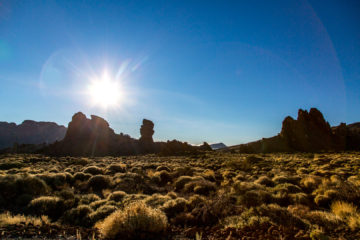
{"points": [[211, 195]]}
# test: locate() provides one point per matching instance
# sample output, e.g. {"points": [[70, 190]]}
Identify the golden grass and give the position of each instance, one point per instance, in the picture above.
{"points": [[134, 222], [7, 219]]}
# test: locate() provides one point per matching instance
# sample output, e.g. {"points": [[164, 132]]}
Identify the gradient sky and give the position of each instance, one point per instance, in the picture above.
{"points": [[215, 71]]}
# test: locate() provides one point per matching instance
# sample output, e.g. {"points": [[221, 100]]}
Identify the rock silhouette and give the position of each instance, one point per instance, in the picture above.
{"points": [[310, 132], [94, 137], [30, 132], [146, 140]]}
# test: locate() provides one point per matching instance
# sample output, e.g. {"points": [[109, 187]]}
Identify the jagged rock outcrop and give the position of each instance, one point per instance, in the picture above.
{"points": [[94, 137], [310, 132], [146, 139], [30, 132], [349, 134]]}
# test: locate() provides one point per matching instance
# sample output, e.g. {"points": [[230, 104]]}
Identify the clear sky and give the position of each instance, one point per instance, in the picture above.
{"points": [[215, 71]]}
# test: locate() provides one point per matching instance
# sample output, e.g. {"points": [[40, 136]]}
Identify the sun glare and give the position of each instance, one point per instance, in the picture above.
{"points": [[105, 92]]}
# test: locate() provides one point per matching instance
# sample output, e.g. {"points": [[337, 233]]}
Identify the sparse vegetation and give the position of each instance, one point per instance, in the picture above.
{"points": [[218, 194]]}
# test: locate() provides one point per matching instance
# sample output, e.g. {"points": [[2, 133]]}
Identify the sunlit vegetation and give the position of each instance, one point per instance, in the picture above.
{"points": [[209, 195]]}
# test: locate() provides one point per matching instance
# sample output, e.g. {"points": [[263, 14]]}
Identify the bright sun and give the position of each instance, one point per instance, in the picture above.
{"points": [[105, 92]]}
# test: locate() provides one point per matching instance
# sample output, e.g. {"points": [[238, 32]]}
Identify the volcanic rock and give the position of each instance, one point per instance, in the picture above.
{"points": [[310, 132]]}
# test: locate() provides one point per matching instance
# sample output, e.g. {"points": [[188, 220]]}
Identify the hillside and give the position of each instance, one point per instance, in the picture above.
{"points": [[30, 132]]}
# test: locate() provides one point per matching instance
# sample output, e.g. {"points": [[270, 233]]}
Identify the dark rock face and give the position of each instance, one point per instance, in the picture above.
{"points": [[146, 140], [147, 131], [308, 133], [94, 137], [349, 134], [30, 132]]}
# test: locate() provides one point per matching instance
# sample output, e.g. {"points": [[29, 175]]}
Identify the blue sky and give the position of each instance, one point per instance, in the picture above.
{"points": [[215, 71]]}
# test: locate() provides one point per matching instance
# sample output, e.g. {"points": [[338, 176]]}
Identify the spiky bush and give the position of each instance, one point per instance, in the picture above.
{"points": [[99, 182], [136, 221], [116, 196], [93, 170], [13, 186], [174, 206], [117, 168], [102, 212], [47, 205], [79, 216]]}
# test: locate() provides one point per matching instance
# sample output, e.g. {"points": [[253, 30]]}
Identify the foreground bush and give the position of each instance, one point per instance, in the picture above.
{"points": [[136, 221], [49, 206]]}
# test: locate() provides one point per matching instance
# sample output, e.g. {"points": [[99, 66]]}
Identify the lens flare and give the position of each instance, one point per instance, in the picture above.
{"points": [[105, 92]]}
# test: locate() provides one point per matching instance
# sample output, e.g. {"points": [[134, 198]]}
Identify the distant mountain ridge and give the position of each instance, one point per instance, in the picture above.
{"points": [[216, 146], [30, 132]]}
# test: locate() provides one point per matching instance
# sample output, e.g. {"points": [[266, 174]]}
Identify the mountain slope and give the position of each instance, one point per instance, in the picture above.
{"points": [[30, 132]]}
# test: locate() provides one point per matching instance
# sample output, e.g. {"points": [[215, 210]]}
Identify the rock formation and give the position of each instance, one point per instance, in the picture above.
{"points": [[94, 137], [146, 140], [30, 132], [308, 133]]}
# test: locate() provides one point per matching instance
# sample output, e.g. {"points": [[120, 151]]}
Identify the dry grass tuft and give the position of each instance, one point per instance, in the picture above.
{"points": [[136, 221], [6, 219]]}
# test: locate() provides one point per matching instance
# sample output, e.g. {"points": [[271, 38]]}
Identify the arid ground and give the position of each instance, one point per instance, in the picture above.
{"points": [[211, 195]]}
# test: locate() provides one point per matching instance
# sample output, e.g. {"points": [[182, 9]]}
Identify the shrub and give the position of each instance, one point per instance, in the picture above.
{"points": [[162, 177], [287, 188], [285, 179], [322, 201], [238, 164], [209, 175], [195, 200], [117, 168], [99, 182], [324, 219], [318, 234], [93, 170], [343, 209], [183, 171], [202, 187], [281, 216], [102, 212], [116, 196], [255, 198], [10, 165], [79, 176], [299, 198], [79, 216], [136, 221], [174, 206], [264, 180], [14, 185], [310, 183], [248, 218], [163, 168], [156, 200], [240, 187], [95, 205], [46, 205], [89, 198], [181, 181]]}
